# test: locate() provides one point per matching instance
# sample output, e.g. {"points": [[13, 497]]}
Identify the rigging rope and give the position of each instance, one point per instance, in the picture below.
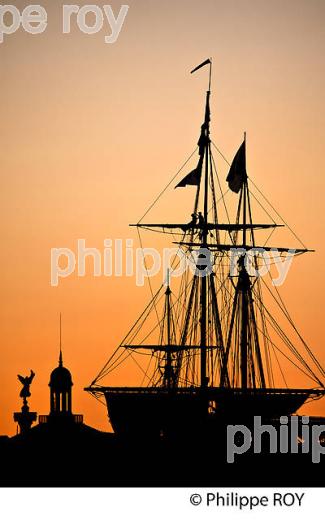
{"points": [[166, 187]]}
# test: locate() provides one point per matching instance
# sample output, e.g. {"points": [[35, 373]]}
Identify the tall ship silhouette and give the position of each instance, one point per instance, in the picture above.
{"points": [[211, 351]]}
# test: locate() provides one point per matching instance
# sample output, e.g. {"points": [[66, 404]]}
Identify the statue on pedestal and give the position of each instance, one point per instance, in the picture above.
{"points": [[26, 382], [25, 418]]}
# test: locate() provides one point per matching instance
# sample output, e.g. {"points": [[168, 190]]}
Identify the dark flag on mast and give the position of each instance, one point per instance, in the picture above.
{"points": [[237, 173], [194, 177]]}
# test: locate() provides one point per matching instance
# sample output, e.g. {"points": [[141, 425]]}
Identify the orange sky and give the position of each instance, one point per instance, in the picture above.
{"points": [[91, 132]]}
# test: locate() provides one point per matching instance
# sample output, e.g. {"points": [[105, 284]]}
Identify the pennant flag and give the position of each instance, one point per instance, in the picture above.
{"points": [[193, 178], [206, 62], [237, 173]]}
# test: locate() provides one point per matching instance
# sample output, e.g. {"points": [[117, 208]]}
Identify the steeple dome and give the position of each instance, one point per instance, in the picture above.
{"points": [[60, 379], [61, 385]]}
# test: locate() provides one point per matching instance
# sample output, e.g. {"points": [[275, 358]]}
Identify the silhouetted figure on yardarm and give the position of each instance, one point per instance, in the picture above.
{"points": [[201, 219], [193, 221], [201, 222]]}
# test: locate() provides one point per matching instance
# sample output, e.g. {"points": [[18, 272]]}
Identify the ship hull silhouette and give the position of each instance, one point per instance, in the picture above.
{"points": [[154, 412]]}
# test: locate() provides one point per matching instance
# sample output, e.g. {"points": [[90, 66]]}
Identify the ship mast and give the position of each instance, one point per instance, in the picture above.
{"points": [[206, 279], [204, 379], [250, 366], [169, 377], [244, 286]]}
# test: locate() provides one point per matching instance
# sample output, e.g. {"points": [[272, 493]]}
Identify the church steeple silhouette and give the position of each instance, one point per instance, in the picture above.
{"points": [[60, 386]]}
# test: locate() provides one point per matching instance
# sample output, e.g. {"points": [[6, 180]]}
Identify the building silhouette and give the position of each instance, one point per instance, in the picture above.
{"points": [[61, 450]]}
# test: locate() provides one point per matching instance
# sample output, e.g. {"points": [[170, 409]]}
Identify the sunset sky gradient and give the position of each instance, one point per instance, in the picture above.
{"points": [[91, 132]]}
